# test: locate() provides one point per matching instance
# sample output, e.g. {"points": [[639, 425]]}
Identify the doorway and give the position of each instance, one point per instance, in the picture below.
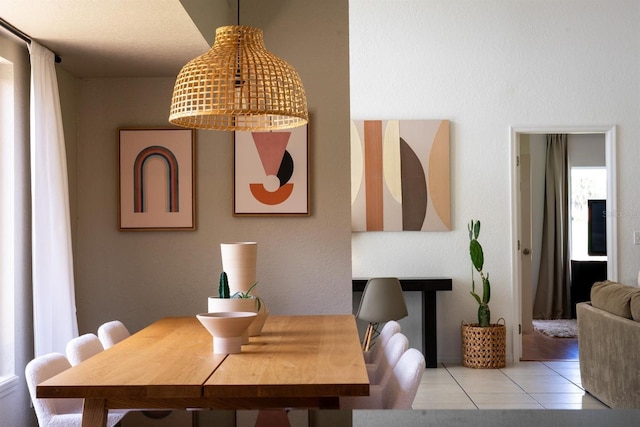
{"points": [[521, 138]]}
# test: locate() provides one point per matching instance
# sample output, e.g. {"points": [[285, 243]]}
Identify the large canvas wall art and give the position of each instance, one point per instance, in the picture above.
{"points": [[271, 173], [400, 175]]}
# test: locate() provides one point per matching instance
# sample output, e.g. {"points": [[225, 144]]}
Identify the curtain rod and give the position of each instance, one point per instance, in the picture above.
{"points": [[22, 36]]}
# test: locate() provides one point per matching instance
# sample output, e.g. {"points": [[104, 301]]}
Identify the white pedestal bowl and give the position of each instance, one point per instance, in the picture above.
{"points": [[227, 328], [218, 305]]}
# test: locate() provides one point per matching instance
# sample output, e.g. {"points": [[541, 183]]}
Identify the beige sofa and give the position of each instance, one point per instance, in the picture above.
{"points": [[609, 344]]}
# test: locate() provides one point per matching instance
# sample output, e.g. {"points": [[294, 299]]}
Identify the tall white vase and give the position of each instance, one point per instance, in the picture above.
{"points": [[239, 261]]}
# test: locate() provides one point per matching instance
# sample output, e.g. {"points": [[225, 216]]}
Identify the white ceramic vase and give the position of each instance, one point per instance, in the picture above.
{"points": [[226, 328], [239, 261], [222, 305], [256, 326]]}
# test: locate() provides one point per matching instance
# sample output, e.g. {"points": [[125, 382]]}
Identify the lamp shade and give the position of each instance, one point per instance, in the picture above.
{"points": [[238, 86], [382, 301]]}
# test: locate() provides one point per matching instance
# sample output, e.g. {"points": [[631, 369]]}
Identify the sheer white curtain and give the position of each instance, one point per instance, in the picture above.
{"points": [[54, 306]]}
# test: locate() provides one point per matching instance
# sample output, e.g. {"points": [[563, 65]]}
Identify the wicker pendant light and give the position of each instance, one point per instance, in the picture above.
{"points": [[238, 86]]}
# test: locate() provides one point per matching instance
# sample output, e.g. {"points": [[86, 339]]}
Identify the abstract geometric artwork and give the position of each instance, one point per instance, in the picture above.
{"points": [[156, 179], [271, 173], [400, 175]]}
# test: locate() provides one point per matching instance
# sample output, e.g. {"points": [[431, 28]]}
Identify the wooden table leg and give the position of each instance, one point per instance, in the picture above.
{"points": [[94, 413]]}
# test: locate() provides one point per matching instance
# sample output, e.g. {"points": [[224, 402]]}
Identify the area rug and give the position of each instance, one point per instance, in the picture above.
{"points": [[562, 328]]}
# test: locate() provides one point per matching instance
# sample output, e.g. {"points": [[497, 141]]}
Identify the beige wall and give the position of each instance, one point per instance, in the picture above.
{"points": [[304, 263]]}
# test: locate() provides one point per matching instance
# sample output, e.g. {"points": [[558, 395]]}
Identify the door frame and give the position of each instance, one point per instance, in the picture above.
{"points": [[612, 222]]}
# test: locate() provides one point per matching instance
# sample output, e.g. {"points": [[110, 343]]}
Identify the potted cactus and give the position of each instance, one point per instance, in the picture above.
{"points": [[225, 292], [238, 301], [483, 343], [477, 262]]}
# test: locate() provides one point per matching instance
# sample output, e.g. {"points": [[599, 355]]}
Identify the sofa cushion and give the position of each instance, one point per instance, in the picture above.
{"points": [[613, 297], [635, 306]]}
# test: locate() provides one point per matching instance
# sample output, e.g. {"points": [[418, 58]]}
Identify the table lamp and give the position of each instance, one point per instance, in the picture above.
{"points": [[381, 301]]}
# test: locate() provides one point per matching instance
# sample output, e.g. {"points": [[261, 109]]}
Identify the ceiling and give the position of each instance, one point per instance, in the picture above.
{"points": [[120, 38]]}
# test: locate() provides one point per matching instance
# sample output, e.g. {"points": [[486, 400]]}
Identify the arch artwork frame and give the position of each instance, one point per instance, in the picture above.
{"points": [[156, 179]]}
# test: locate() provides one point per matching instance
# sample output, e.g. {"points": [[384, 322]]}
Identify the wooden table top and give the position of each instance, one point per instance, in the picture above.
{"points": [[308, 355], [171, 364]]}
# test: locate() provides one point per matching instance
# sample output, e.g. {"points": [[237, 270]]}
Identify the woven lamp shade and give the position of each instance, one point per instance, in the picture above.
{"points": [[238, 86]]}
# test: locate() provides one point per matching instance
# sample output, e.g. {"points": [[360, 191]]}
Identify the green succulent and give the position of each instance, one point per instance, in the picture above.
{"points": [[224, 292], [247, 294]]}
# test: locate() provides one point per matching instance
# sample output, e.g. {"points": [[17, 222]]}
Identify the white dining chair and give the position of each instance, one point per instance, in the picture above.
{"points": [[388, 330], [82, 348], [393, 350], [57, 412], [400, 390], [111, 333], [403, 384]]}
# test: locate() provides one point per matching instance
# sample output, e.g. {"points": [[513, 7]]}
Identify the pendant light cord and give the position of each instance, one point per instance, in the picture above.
{"points": [[238, 77]]}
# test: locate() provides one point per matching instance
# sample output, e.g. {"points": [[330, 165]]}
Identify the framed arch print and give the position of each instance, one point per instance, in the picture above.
{"points": [[156, 183], [271, 173]]}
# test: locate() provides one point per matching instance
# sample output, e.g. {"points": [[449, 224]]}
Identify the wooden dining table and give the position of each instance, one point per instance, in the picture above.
{"points": [[296, 362]]}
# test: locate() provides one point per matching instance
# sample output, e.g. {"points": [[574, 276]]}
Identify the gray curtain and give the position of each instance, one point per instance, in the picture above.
{"points": [[552, 300]]}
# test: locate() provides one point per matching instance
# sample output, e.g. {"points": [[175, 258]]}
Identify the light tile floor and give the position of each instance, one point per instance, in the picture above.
{"points": [[526, 385]]}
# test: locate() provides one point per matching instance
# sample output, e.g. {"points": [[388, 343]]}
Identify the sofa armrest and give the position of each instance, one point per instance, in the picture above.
{"points": [[608, 350]]}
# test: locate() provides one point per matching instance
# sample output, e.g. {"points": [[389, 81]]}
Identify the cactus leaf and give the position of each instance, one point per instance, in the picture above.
{"points": [[477, 297], [476, 229], [223, 286], [477, 256], [486, 290]]}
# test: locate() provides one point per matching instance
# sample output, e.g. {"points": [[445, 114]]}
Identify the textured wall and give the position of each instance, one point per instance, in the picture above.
{"points": [[487, 66], [304, 263]]}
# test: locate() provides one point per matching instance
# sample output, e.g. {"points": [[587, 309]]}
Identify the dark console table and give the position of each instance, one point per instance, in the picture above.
{"points": [[428, 287]]}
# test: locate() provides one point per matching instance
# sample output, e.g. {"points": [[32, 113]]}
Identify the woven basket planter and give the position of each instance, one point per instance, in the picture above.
{"points": [[484, 348]]}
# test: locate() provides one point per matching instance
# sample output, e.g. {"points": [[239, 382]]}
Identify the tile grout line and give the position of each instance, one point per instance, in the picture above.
{"points": [[568, 379], [460, 385], [521, 388], [542, 405], [512, 376]]}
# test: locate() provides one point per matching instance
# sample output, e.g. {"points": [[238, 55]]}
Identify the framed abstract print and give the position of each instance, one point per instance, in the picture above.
{"points": [[156, 184], [271, 173]]}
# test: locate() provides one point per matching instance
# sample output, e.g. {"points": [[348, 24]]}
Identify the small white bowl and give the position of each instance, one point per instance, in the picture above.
{"points": [[226, 328]]}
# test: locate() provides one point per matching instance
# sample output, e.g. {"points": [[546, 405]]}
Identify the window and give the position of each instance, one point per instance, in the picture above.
{"points": [[7, 191], [587, 183]]}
